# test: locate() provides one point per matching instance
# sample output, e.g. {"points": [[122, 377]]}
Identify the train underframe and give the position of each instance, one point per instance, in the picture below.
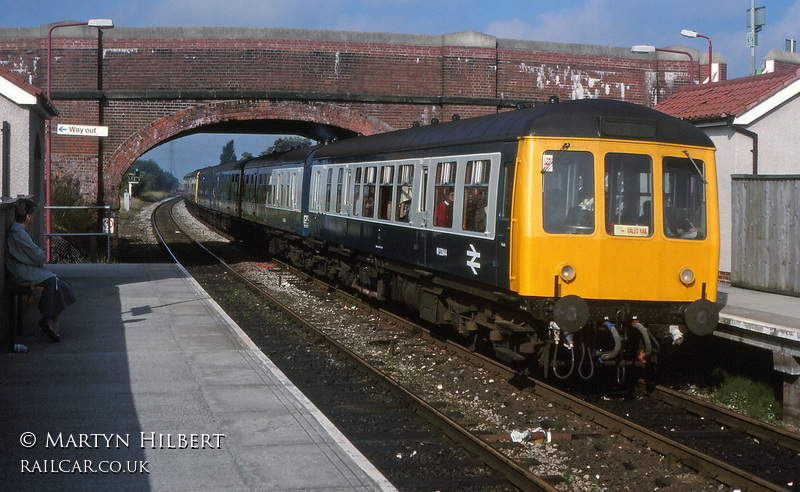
{"points": [[564, 337]]}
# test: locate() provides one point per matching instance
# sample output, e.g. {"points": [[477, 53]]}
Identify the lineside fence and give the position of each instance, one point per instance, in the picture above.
{"points": [[765, 242]]}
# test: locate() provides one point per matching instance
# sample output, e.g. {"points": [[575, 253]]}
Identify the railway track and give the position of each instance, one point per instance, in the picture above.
{"points": [[736, 450], [705, 463], [413, 445]]}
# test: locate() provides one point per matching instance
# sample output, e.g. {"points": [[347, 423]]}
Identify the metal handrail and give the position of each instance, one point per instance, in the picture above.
{"points": [[95, 207]]}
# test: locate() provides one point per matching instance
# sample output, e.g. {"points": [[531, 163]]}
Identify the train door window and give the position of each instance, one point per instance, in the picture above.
{"points": [[567, 192], [339, 189], [684, 198], [423, 190], [476, 195], [270, 200], [405, 182], [260, 190], [385, 192], [294, 190], [445, 193], [348, 186], [629, 194], [286, 196], [328, 188], [286, 189], [368, 207], [357, 194]]}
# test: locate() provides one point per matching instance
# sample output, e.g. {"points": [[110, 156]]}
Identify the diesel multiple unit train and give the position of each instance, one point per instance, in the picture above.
{"points": [[567, 236]]}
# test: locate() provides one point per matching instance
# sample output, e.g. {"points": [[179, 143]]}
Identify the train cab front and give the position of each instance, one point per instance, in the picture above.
{"points": [[615, 242]]}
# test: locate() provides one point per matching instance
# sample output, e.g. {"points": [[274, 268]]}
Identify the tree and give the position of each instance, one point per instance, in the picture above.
{"points": [[151, 178], [285, 144], [228, 153]]}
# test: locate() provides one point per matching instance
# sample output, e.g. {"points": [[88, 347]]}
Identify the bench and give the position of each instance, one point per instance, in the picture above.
{"points": [[20, 294]]}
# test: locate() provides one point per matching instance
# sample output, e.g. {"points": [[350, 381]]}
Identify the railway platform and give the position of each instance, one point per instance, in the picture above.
{"points": [[154, 387], [771, 322]]}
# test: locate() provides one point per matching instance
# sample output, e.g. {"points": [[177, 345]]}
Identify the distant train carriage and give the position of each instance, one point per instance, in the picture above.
{"points": [[567, 227], [273, 192]]}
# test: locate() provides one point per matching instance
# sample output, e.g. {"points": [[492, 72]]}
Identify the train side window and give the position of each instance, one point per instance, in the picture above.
{"points": [[405, 182], [567, 192], [629, 194], [385, 192], [444, 189], [684, 198], [368, 207], [476, 193]]}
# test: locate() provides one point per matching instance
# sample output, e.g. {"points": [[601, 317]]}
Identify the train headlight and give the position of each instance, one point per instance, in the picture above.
{"points": [[687, 276], [567, 273]]}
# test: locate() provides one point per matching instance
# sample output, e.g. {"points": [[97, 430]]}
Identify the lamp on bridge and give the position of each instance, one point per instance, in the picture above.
{"points": [[695, 34], [100, 24], [646, 48]]}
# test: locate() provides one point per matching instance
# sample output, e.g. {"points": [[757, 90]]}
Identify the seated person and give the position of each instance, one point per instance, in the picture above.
{"points": [[25, 263], [677, 225], [402, 210], [444, 210]]}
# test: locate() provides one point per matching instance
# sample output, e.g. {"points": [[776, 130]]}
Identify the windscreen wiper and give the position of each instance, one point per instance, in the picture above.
{"points": [[696, 168]]}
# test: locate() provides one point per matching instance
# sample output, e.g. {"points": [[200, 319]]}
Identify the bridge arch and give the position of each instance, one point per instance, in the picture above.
{"points": [[318, 121]]}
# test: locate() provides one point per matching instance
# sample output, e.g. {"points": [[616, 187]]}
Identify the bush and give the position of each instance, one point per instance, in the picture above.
{"points": [[151, 178], [751, 398], [65, 192]]}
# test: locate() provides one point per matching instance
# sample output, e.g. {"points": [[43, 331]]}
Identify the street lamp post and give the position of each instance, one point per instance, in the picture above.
{"points": [[695, 34], [646, 48], [100, 24]]}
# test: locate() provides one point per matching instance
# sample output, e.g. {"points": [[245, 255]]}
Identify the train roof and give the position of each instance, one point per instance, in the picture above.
{"points": [[587, 118], [295, 156]]}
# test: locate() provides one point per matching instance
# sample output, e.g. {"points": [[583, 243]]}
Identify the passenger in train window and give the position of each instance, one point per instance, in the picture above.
{"points": [[402, 211], [480, 211], [368, 204], [676, 224], [475, 209], [444, 209]]}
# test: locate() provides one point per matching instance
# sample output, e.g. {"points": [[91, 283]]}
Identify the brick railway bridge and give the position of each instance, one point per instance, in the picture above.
{"points": [[152, 85]]}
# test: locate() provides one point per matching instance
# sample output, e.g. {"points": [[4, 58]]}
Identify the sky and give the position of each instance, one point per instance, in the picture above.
{"points": [[621, 23]]}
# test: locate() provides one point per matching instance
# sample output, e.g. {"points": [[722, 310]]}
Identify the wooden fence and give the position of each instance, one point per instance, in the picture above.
{"points": [[766, 232]]}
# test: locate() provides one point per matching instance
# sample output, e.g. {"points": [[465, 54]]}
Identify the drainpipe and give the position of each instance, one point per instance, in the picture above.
{"points": [[753, 136]]}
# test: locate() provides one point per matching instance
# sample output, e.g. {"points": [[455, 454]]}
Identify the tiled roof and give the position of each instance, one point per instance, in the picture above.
{"points": [[38, 93], [19, 82], [727, 98]]}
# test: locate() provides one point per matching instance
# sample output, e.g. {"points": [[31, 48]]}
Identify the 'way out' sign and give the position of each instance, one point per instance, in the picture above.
{"points": [[86, 131]]}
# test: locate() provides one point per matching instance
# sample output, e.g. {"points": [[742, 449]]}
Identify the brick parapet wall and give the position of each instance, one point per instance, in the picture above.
{"points": [[372, 82]]}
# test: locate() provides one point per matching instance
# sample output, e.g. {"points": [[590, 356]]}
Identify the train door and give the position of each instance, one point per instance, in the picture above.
{"points": [[420, 210], [505, 197]]}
